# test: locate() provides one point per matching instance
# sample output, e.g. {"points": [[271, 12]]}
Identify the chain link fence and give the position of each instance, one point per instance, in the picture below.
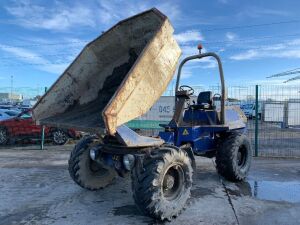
{"points": [[279, 124], [273, 114]]}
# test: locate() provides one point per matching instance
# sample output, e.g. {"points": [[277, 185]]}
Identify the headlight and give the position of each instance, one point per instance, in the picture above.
{"points": [[93, 153], [128, 161]]}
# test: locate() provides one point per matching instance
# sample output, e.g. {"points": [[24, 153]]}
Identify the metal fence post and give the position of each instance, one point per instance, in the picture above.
{"points": [[256, 120], [43, 138], [43, 131]]}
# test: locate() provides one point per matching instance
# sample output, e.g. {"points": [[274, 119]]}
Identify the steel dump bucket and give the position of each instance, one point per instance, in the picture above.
{"points": [[116, 78]]}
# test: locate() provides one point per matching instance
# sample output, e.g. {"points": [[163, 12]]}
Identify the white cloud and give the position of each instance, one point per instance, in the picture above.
{"points": [[294, 42], [23, 54], [170, 8], [231, 36], [190, 67], [188, 36], [278, 81], [292, 53], [188, 50], [270, 12], [274, 47], [249, 54], [221, 50], [62, 16], [204, 63], [186, 73], [110, 12], [286, 49], [58, 17], [207, 62], [54, 68], [32, 58], [257, 12]]}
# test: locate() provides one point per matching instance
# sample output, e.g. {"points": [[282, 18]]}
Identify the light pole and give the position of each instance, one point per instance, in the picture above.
{"points": [[11, 87]]}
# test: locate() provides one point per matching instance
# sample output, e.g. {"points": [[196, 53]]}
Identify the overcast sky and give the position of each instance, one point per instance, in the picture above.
{"points": [[255, 38]]}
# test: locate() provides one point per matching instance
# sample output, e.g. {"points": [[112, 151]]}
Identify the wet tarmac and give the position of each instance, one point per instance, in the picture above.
{"points": [[35, 188], [273, 190]]}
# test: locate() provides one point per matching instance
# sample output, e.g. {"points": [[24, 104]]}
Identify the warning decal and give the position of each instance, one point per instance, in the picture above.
{"points": [[185, 132]]}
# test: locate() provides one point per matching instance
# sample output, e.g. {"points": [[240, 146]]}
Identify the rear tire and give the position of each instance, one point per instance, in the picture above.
{"points": [[233, 158], [3, 136], [84, 171], [161, 182]]}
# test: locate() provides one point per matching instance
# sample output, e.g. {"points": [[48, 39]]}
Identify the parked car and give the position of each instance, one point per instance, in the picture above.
{"points": [[6, 106], [249, 110], [7, 114], [23, 127]]}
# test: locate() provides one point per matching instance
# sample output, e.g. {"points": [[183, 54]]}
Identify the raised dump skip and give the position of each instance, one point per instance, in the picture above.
{"points": [[116, 78]]}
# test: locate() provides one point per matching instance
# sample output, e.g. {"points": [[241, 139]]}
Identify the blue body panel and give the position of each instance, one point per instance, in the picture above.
{"points": [[168, 137], [200, 116], [199, 129]]}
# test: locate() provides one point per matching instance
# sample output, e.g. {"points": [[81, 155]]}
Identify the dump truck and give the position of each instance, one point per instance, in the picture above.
{"points": [[117, 78]]}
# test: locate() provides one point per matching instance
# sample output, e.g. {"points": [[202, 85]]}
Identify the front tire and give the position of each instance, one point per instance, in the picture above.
{"points": [[233, 158], [3, 136], [84, 171], [161, 182]]}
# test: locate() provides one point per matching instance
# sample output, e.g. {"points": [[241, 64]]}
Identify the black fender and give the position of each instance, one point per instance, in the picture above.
{"points": [[191, 154], [189, 151]]}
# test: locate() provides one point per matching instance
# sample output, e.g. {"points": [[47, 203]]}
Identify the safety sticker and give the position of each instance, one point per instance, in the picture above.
{"points": [[185, 132]]}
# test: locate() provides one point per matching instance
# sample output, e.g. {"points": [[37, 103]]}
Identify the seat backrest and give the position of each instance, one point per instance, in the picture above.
{"points": [[204, 97]]}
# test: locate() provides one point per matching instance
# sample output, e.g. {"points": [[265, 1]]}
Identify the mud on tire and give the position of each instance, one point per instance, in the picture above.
{"points": [[84, 171], [161, 182], [234, 156]]}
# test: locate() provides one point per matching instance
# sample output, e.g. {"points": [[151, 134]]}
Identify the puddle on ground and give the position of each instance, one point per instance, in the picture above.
{"points": [[276, 191], [269, 190]]}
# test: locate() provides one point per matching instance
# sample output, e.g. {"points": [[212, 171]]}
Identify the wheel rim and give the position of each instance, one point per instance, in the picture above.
{"points": [[59, 137], [2, 136], [241, 156], [173, 182]]}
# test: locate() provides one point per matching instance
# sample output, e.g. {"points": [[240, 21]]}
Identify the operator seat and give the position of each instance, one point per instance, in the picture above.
{"points": [[204, 100], [203, 111]]}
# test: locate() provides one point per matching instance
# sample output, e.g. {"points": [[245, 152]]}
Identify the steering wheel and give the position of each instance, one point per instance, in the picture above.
{"points": [[190, 90]]}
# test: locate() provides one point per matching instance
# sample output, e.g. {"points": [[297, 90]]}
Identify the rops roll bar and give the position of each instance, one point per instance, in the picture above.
{"points": [[200, 56]]}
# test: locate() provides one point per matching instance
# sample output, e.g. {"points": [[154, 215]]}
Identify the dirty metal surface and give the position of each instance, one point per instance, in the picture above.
{"points": [[234, 117], [116, 78], [132, 139]]}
